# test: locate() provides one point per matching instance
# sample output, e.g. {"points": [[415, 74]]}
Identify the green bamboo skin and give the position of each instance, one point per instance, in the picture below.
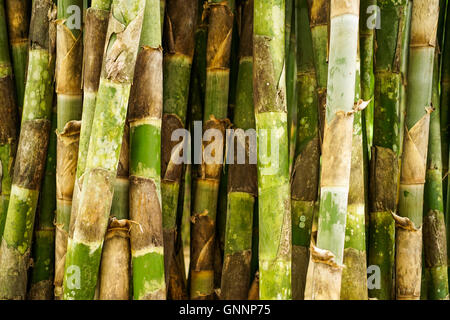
{"points": [[291, 77], [417, 123], [32, 150], [367, 41], [242, 178], [43, 251], [319, 17], [218, 50], [434, 234], [69, 54], [390, 73], [146, 105], [84, 248], [273, 169], [115, 269], [444, 46], [336, 151], [354, 275], [96, 24], [305, 176], [18, 27], [181, 23], [8, 121]]}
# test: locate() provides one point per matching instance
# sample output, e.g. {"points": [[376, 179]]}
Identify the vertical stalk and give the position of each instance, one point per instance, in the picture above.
{"points": [[367, 26], [305, 176], [242, 177], [69, 55], [215, 117], [269, 84], [18, 28], [319, 16], [43, 251], [8, 121], [115, 268], [96, 24], [32, 150], [434, 235], [443, 38], [85, 247], [336, 151], [417, 123], [181, 20], [390, 75], [291, 77], [146, 107], [354, 275]]}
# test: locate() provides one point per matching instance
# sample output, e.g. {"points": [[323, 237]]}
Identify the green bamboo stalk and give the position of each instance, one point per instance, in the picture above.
{"points": [[443, 38], [146, 107], [305, 177], [291, 77], [354, 275], [319, 15], [32, 150], [42, 273], [18, 28], [85, 247], [115, 271], [390, 72], [8, 121], [273, 168], [367, 28], [214, 117], [417, 122], [336, 151], [434, 235], [96, 24], [242, 178], [181, 18], [69, 54]]}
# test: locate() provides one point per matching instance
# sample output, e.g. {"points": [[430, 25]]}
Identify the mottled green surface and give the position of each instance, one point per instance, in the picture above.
{"points": [[148, 274], [302, 221], [90, 99], [120, 203]]}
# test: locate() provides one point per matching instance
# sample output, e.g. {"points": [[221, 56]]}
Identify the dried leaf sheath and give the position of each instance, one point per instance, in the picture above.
{"points": [[31, 155], [84, 248]]}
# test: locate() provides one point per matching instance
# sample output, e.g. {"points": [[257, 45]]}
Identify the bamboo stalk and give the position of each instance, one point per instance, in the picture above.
{"points": [[181, 20], [273, 170], [115, 268], [32, 150], [84, 248], [443, 38], [354, 275], [69, 54], [43, 250], [18, 28], [8, 121], [319, 16], [390, 75], [434, 235], [417, 122], [336, 151], [291, 77], [95, 34], [242, 178], [305, 177], [146, 107], [207, 182]]}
